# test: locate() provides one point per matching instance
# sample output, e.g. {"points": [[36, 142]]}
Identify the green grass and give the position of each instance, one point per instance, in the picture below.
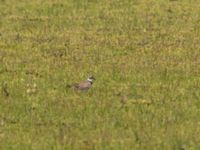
{"points": [[145, 50]]}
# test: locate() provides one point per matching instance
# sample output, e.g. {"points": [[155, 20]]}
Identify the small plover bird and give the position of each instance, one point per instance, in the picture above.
{"points": [[83, 86]]}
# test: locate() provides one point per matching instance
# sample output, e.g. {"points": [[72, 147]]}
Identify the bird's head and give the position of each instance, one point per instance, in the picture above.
{"points": [[91, 79]]}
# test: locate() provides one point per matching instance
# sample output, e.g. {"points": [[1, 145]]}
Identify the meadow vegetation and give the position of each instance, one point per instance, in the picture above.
{"points": [[145, 55]]}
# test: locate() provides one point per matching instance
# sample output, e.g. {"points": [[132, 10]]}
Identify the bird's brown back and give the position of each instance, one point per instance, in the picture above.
{"points": [[83, 86]]}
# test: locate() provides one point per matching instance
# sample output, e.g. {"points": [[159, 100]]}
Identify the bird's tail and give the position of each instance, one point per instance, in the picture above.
{"points": [[73, 86], [68, 86]]}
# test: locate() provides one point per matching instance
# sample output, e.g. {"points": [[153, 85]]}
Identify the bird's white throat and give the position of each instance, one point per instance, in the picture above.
{"points": [[90, 80]]}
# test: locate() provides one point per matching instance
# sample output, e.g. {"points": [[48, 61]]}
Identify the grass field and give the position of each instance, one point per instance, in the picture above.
{"points": [[145, 55]]}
